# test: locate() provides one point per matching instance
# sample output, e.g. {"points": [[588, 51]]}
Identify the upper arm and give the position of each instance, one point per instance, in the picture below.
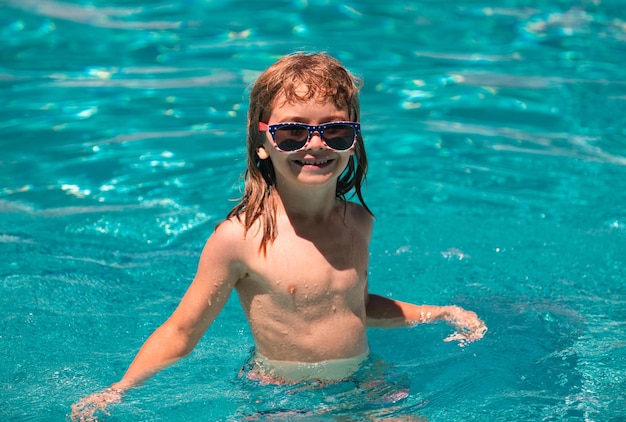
{"points": [[219, 269]]}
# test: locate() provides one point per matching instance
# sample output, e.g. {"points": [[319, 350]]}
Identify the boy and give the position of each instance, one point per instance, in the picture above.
{"points": [[295, 250]]}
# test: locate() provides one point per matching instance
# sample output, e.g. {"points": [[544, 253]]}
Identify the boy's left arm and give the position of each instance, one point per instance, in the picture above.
{"points": [[383, 312]]}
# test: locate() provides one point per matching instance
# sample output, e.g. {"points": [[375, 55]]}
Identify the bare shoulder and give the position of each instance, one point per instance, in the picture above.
{"points": [[360, 217], [228, 241], [226, 251], [358, 213], [230, 229]]}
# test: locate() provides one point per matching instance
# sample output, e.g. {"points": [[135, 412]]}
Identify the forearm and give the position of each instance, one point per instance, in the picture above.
{"points": [[164, 347], [383, 312]]}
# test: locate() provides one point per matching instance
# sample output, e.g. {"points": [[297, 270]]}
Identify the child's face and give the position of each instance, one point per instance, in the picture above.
{"points": [[316, 163]]}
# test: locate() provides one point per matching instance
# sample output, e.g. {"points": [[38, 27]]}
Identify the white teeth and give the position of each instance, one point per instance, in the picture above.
{"points": [[314, 163]]}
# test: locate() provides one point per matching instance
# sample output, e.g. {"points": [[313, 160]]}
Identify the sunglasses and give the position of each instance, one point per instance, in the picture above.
{"points": [[294, 137]]}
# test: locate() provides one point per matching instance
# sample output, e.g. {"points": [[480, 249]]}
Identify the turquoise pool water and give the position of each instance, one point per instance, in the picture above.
{"points": [[497, 143]]}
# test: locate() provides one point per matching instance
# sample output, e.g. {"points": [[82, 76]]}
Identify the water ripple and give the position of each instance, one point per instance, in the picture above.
{"points": [[104, 17]]}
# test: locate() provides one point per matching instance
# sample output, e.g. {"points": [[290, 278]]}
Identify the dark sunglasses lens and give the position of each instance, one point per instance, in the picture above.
{"points": [[339, 137], [291, 138]]}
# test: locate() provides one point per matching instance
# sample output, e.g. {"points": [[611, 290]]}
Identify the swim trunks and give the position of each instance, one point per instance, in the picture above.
{"points": [[280, 371]]}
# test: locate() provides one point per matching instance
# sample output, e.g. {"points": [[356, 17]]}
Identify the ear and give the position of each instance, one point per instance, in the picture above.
{"points": [[262, 153]]}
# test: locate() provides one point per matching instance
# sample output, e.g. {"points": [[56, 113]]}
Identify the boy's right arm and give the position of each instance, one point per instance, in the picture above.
{"points": [[218, 271]]}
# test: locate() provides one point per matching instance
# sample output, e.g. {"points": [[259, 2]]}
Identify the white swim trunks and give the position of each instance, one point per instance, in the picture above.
{"points": [[279, 371]]}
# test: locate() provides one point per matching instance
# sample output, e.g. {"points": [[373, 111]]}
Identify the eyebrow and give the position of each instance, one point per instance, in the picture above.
{"points": [[301, 119]]}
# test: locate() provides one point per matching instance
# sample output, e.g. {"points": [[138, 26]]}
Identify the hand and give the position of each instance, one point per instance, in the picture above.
{"points": [[84, 410], [468, 326]]}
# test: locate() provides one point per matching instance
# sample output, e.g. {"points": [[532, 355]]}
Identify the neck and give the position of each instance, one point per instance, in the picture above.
{"points": [[313, 202]]}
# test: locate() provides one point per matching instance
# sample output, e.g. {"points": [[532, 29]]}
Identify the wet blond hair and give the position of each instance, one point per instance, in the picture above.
{"points": [[325, 79]]}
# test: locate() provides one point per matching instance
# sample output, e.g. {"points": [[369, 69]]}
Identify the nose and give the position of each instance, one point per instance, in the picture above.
{"points": [[316, 141]]}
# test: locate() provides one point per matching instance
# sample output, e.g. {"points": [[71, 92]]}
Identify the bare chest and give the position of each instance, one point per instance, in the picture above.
{"points": [[321, 268], [326, 266]]}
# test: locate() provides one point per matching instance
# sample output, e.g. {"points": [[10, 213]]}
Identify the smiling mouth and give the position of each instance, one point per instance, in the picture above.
{"points": [[315, 163]]}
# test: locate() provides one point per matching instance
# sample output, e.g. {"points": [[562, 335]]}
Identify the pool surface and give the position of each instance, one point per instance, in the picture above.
{"points": [[496, 134]]}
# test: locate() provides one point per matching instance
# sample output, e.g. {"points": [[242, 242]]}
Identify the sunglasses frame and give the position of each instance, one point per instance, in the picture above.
{"points": [[264, 127]]}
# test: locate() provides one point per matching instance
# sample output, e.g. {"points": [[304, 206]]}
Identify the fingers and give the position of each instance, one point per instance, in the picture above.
{"points": [[465, 337], [86, 408], [468, 326]]}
